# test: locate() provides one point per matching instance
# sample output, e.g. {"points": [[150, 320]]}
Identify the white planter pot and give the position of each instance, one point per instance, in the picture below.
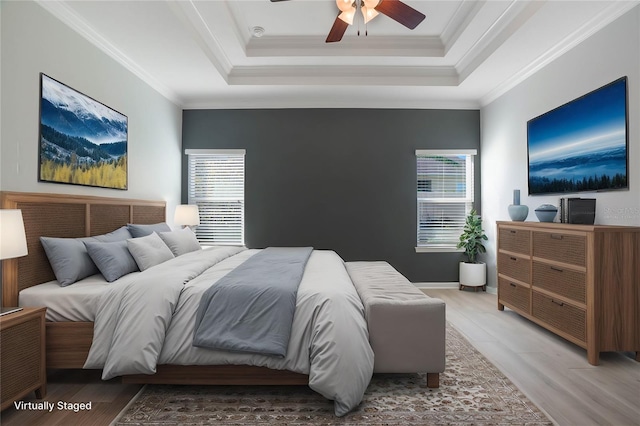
{"points": [[473, 274]]}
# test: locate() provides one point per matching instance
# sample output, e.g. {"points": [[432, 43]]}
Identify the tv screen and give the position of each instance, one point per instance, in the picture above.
{"points": [[581, 145]]}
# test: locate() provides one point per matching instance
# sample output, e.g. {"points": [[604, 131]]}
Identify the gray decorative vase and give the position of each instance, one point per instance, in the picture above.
{"points": [[546, 212], [517, 212]]}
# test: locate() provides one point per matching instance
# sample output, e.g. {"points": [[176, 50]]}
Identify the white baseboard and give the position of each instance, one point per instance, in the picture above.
{"points": [[448, 285], [437, 285]]}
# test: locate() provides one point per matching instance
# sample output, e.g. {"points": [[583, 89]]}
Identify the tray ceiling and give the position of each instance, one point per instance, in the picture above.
{"points": [[204, 54]]}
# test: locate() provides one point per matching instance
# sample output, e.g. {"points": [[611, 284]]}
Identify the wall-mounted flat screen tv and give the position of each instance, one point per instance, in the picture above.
{"points": [[581, 145]]}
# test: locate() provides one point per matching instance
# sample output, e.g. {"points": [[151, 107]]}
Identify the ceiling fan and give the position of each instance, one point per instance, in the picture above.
{"points": [[394, 9]]}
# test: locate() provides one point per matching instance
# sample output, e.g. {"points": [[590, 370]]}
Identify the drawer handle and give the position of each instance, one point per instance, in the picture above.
{"points": [[553, 268], [513, 258], [556, 236], [512, 285], [557, 303], [513, 232]]}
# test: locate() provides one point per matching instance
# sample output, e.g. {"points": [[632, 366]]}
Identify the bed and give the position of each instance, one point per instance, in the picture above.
{"points": [[69, 342]]}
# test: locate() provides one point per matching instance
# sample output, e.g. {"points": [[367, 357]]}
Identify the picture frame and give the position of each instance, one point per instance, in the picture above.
{"points": [[81, 141], [581, 146]]}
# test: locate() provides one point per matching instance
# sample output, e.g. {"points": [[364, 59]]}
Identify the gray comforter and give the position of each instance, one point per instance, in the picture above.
{"points": [[150, 321], [251, 308]]}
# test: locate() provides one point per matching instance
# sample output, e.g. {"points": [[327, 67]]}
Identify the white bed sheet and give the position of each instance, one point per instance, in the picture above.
{"points": [[76, 302]]}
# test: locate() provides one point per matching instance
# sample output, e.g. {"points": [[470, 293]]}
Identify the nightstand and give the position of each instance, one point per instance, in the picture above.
{"points": [[22, 355]]}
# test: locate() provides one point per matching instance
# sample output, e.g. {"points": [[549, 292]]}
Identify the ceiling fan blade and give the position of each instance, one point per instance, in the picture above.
{"points": [[273, 1], [400, 12], [337, 31]]}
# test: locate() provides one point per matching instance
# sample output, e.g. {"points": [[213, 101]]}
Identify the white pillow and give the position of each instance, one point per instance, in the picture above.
{"points": [[181, 241], [149, 251]]}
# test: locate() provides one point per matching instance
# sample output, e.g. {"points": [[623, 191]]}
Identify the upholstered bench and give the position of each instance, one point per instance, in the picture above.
{"points": [[406, 327]]}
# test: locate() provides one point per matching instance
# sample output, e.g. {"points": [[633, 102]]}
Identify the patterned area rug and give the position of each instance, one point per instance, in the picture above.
{"points": [[472, 392]]}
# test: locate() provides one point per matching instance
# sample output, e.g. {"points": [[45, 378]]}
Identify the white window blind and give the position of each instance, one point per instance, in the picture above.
{"points": [[445, 196], [216, 185]]}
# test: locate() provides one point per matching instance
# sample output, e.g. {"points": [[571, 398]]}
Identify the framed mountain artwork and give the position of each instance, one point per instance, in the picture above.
{"points": [[82, 141]]}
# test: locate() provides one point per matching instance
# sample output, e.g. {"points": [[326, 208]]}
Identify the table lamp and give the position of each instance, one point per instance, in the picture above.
{"points": [[187, 215], [13, 242]]}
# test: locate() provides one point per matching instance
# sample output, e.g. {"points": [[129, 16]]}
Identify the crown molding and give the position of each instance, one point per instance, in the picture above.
{"points": [[288, 46], [612, 12], [71, 19], [460, 20], [511, 20], [194, 23], [340, 76], [242, 37], [283, 102]]}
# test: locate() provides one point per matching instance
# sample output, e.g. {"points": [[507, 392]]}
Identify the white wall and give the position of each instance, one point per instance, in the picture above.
{"points": [[609, 54], [33, 41]]}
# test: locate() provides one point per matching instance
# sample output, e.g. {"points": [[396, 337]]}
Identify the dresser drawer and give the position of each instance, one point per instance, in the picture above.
{"points": [[514, 294], [515, 267], [565, 282], [562, 316], [567, 248], [515, 240]]}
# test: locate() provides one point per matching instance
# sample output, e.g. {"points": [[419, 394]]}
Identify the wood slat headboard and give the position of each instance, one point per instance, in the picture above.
{"points": [[67, 216]]}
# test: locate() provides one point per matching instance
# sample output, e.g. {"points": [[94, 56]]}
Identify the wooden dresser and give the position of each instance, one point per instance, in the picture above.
{"points": [[581, 282]]}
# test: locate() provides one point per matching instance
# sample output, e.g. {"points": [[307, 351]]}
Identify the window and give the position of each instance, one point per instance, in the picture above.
{"points": [[216, 185], [445, 197]]}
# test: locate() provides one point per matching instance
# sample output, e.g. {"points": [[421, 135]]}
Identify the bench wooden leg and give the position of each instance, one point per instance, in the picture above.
{"points": [[433, 380]]}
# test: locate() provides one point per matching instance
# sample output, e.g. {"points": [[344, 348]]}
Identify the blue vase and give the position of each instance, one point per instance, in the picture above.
{"points": [[517, 212]]}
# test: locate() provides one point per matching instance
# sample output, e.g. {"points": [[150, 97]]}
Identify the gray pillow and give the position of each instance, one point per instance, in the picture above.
{"points": [[149, 251], [119, 234], [138, 230], [69, 258], [181, 241], [112, 259]]}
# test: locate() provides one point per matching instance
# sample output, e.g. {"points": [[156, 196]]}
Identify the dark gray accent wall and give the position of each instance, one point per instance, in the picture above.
{"points": [[340, 179]]}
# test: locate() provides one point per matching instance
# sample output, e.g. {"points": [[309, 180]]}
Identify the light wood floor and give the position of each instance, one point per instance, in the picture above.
{"points": [[553, 373]]}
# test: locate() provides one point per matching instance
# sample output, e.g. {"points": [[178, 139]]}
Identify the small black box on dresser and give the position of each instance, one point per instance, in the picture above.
{"points": [[578, 211]]}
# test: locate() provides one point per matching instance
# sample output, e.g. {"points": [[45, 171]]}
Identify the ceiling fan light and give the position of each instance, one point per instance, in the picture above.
{"points": [[344, 5], [371, 4], [347, 16], [368, 13]]}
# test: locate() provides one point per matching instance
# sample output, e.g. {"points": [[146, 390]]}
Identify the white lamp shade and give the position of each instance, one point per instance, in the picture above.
{"points": [[347, 16], [13, 242], [371, 4], [187, 214], [368, 13], [344, 5]]}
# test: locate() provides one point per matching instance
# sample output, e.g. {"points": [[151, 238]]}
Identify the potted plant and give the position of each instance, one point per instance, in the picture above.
{"points": [[473, 273]]}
